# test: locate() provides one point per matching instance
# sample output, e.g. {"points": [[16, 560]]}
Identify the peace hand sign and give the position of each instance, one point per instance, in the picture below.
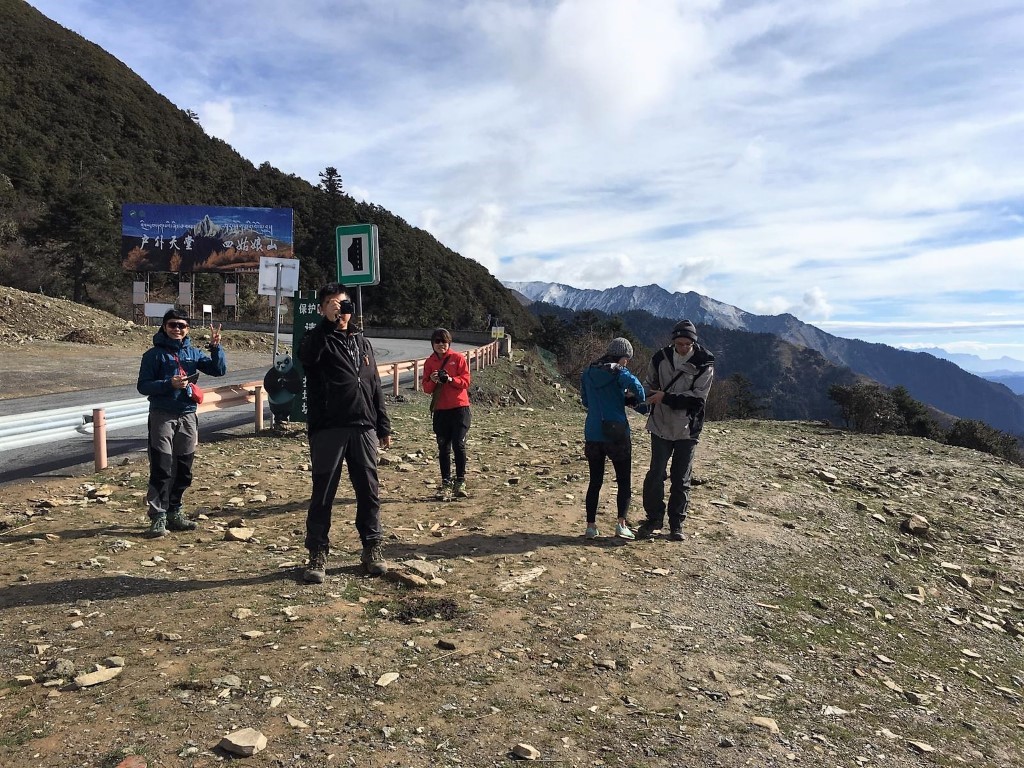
{"points": [[215, 337]]}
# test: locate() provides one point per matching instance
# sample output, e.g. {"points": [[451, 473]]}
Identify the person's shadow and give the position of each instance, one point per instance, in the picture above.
{"points": [[473, 544], [122, 586], [119, 587]]}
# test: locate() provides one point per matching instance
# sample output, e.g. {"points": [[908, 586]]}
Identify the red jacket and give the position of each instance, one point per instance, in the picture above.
{"points": [[454, 393]]}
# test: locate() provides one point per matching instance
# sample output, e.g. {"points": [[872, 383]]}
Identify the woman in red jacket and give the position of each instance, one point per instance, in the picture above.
{"points": [[446, 379]]}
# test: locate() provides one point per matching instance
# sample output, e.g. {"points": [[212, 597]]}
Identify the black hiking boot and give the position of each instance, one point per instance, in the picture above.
{"points": [[157, 527], [647, 530]]}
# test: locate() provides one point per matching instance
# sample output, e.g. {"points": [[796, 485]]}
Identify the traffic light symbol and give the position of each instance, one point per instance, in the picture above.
{"points": [[355, 254]]}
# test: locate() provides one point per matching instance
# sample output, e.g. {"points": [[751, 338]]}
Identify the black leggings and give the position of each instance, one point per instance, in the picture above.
{"points": [[620, 454], [451, 426]]}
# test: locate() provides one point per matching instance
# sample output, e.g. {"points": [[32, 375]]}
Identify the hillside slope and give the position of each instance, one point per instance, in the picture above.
{"points": [[80, 133]]}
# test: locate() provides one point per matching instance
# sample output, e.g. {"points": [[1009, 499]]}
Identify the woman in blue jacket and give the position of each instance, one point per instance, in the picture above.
{"points": [[604, 386], [165, 377]]}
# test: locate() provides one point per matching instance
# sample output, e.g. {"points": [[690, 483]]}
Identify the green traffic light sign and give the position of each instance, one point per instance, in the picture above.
{"points": [[358, 254]]}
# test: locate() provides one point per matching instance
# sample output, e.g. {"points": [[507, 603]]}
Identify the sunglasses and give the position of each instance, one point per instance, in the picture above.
{"points": [[439, 341], [176, 326]]}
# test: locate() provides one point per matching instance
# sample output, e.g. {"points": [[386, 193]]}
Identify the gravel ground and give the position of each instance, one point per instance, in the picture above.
{"points": [[808, 618]]}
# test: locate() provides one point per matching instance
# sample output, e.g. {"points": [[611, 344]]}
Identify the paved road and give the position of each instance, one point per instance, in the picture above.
{"points": [[75, 457]]}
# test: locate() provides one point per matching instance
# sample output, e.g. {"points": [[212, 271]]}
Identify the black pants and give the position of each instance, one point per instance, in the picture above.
{"points": [[620, 454], [328, 449], [451, 426], [681, 453]]}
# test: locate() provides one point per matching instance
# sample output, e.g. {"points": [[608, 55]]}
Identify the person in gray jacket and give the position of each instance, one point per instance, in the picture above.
{"points": [[678, 381]]}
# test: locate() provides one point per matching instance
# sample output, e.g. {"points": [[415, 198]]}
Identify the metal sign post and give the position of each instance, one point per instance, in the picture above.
{"points": [[278, 276], [277, 309]]}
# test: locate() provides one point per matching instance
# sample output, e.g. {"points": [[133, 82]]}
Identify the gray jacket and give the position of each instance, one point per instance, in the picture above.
{"points": [[680, 416]]}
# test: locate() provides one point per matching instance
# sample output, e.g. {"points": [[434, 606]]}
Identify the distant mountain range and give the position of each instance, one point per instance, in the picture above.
{"points": [[937, 382], [1001, 366]]}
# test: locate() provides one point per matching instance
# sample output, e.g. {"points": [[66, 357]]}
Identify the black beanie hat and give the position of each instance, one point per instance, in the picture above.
{"points": [[685, 328]]}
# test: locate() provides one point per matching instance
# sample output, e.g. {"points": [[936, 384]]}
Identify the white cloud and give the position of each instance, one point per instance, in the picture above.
{"points": [[850, 160], [218, 119]]}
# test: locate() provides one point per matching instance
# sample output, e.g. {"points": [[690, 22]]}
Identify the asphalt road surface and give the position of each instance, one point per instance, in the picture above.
{"points": [[74, 457]]}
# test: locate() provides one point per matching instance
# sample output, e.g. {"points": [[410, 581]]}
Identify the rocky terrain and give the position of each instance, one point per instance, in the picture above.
{"points": [[841, 600]]}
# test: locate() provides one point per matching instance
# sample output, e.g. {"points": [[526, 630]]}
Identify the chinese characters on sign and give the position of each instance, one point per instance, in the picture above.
{"points": [[306, 317], [195, 238]]}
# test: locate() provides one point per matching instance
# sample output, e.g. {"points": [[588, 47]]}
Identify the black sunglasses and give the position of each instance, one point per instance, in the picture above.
{"points": [[172, 324]]}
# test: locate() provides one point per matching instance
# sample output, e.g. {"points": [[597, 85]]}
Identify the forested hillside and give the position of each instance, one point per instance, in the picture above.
{"points": [[80, 134]]}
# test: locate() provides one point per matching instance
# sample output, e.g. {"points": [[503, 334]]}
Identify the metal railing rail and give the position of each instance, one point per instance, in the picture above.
{"points": [[56, 424]]}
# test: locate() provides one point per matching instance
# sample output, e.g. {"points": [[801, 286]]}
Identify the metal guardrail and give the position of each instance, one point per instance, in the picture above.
{"points": [[21, 431], [24, 430]]}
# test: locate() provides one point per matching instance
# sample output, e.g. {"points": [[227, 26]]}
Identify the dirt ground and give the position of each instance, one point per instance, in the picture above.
{"points": [[804, 620]]}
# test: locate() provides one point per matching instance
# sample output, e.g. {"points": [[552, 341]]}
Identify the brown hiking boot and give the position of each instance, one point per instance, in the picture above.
{"points": [[445, 491], [316, 571], [373, 560]]}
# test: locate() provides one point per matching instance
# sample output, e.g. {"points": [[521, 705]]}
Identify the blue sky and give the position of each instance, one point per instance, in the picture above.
{"points": [[856, 163]]}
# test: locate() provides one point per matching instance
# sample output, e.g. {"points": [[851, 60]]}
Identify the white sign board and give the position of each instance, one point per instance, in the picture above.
{"points": [[152, 309], [269, 269]]}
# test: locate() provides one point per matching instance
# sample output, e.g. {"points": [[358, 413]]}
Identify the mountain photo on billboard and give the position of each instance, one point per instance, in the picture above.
{"points": [[196, 238]]}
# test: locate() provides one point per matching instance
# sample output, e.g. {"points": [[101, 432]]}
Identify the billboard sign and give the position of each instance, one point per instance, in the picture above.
{"points": [[202, 238]]}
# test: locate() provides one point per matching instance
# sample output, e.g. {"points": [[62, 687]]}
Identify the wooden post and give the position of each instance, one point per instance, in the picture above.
{"points": [[394, 378], [99, 438], [259, 408], [415, 375]]}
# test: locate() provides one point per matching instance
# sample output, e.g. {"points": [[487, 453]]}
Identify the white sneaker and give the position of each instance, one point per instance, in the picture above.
{"points": [[623, 532]]}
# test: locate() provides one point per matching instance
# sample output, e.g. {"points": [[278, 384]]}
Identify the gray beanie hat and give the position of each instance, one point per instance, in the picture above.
{"points": [[619, 347], [685, 328]]}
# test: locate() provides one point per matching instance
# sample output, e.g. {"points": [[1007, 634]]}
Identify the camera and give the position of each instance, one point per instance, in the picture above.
{"points": [[443, 377]]}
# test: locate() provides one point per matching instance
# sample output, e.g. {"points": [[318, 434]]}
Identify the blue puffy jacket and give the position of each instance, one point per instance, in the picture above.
{"points": [[603, 388], [159, 367]]}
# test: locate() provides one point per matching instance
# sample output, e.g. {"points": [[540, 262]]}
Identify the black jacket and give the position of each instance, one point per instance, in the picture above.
{"points": [[342, 384]]}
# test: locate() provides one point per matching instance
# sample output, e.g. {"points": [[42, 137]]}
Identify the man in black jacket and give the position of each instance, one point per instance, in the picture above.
{"points": [[347, 422]]}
